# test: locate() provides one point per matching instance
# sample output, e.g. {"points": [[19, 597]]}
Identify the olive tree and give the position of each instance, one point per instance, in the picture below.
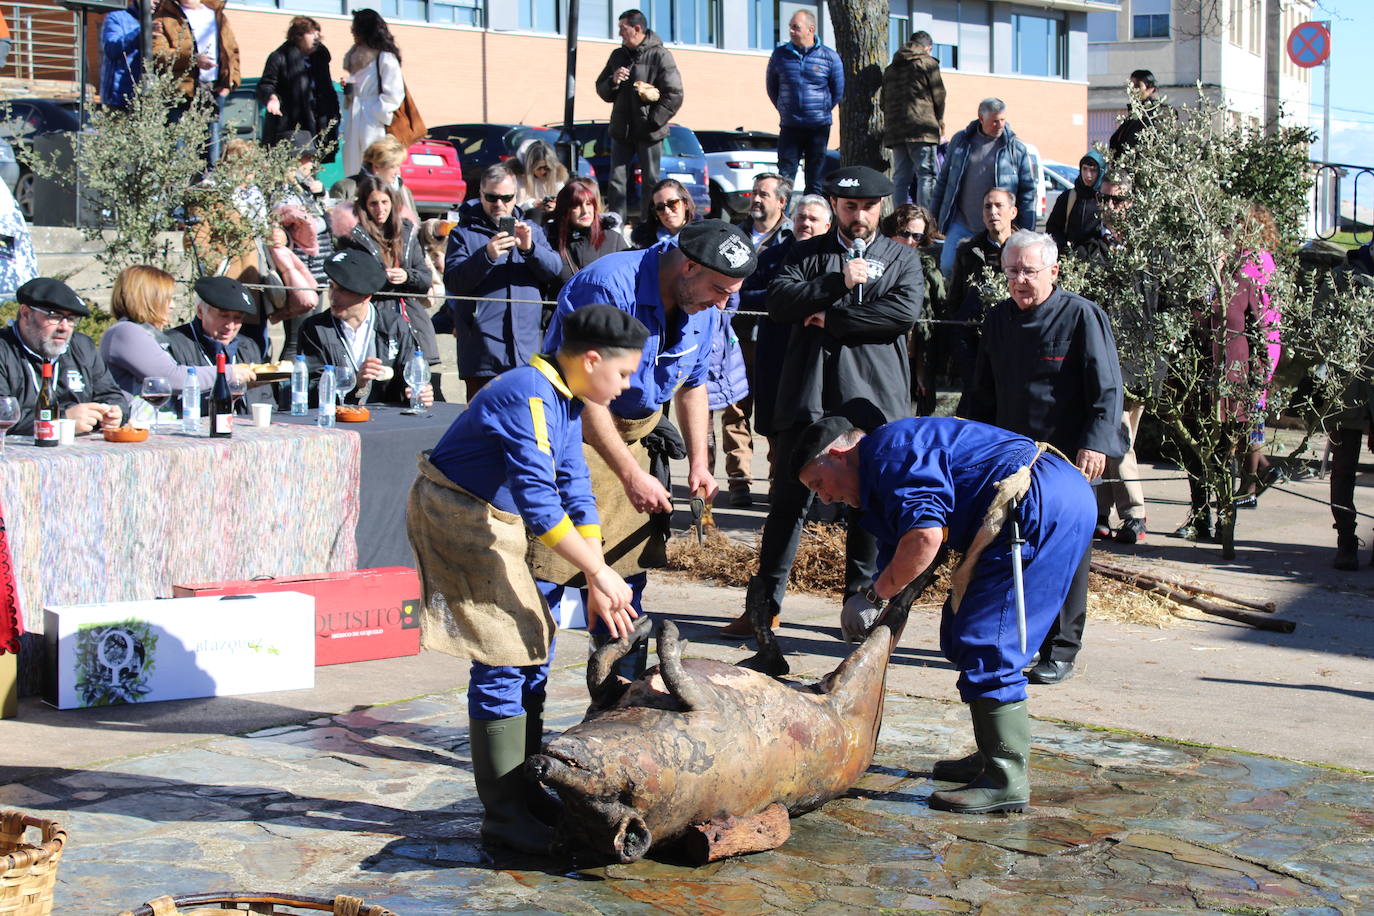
{"points": [[1188, 238]]}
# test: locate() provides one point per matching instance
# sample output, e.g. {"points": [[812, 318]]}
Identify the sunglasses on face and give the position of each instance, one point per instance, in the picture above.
{"points": [[665, 205], [1113, 198], [912, 236], [503, 198]]}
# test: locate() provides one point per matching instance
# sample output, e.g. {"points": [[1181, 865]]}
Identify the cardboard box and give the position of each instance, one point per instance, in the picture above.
{"points": [[359, 615], [143, 651]]}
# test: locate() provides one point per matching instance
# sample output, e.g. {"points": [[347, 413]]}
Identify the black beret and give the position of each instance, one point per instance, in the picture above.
{"points": [[356, 271], [225, 293], [857, 182], [595, 326], [47, 293], [717, 245], [815, 439]]}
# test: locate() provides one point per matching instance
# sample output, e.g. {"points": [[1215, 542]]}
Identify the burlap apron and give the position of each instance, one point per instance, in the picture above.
{"points": [[480, 601], [631, 540]]}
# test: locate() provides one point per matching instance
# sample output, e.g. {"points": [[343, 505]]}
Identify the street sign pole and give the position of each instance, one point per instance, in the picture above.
{"points": [[1326, 104]]}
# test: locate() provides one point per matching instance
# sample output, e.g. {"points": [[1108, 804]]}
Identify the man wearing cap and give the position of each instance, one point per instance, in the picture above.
{"points": [[850, 298], [221, 304], [45, 332], [676, 289], [375, 342], [927, 481], [515, 455]]}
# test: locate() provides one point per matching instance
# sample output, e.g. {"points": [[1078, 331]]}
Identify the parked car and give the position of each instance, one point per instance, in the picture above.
{"points": [[682, 158], [434, 176], [26, 119], [1041, 209], [1059, 178], [735, 157], [9, 165], [483, 145], [244, 118]]}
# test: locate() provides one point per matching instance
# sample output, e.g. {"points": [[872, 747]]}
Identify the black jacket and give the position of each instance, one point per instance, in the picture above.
{"points": [[322, 344], [1078, 226], [188, 348], [632, 119], [859, 359], [580, 253], [306, 91], [1129, 130], [964, 302], [80, 375], [770, 346], [1050, 373]]}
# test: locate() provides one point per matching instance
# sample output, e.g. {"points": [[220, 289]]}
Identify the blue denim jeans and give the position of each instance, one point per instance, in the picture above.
{"points": [[796, 143], [913, 173]]}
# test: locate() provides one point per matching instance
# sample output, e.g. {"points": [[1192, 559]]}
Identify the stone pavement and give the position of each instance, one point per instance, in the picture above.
{"points": [[379, 803]]}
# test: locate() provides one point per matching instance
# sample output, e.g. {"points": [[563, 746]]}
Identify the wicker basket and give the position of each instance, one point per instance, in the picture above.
{"points": [[28, 872], [220, 904]]}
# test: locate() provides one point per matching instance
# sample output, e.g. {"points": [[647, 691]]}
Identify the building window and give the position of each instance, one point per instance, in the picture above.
{"points": [[1236, 23], [688, 22], [1152, 26], [1102, 27], [1039, 45], [947, 55], [763, 24], [898, 32], [540, 15]]}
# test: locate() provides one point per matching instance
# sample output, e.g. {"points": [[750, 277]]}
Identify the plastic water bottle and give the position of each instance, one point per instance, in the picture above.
{"points": [[326, 416], [190, 403], [300, 387]]}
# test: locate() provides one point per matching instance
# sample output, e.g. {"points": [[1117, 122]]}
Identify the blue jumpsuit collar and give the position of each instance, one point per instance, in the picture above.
{"points": [[550, 371]]}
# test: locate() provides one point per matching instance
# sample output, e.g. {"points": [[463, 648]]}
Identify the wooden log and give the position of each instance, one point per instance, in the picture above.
{"points": [[1267, 607], [737, 836], [1152, 584]]}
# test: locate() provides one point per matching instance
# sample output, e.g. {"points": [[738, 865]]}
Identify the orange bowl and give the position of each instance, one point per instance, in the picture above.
{"points": [[125, 434], [352, 414]]}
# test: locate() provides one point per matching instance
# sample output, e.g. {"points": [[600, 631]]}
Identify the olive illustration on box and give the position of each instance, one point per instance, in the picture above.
{"points": [[113, 662]]}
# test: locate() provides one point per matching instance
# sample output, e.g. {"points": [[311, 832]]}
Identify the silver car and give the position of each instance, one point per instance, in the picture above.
{"points": [[735, 157]]}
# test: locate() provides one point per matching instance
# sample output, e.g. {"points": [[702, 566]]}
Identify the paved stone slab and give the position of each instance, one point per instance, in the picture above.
{"points": [[380, 803]]}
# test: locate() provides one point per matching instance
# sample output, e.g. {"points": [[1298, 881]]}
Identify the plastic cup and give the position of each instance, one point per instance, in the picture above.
{"points": [[66, 431], [262, 415]]}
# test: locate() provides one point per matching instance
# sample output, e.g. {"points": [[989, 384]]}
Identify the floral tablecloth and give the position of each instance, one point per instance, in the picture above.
{"points": [[99, 521]]}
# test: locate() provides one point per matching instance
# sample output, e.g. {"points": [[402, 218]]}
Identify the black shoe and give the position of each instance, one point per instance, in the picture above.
{"points": [[1347, 553], [1193, 531], [1132, 531], [741, 499], [1274, 476], [1246, 501], [1050, 672]]}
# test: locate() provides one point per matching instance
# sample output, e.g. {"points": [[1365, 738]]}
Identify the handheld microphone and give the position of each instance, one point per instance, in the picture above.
{"points": [[856, 252]]}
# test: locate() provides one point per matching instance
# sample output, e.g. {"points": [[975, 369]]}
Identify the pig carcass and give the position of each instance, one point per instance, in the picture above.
{"points": [[696, 742]]}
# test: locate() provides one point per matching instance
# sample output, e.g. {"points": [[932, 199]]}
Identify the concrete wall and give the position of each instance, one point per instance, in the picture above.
{"points": [[460, 75]]}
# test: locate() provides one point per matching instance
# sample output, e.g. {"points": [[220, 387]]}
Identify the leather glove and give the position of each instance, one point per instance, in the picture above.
{"points": [[857, 617]]}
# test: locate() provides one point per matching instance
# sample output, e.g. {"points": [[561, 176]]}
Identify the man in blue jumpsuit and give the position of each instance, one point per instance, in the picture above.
{"points": [[512, 464], [675, 288], [923, 481]]}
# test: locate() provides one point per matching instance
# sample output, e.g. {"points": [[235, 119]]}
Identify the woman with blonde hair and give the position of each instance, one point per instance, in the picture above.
{"points": [[135, 347], [382, 161], [544, 177]]}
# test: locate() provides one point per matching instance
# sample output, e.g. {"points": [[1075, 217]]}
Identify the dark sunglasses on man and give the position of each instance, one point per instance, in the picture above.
{"points": [[493, 198], [664, 206]]}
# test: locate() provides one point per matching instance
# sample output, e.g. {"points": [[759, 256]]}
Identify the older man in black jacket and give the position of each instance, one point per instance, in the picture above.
{"points": [[850, 297], [1047, 368], [641, 82], [45, 332]]}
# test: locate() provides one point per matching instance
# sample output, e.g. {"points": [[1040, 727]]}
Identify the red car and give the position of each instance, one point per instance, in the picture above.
{"points": [[434, 176]]}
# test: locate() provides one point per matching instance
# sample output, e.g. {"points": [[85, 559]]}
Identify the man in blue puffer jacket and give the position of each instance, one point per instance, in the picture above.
{"points": [[805, 82], [982, 156], [500, 276], [121, 63]]}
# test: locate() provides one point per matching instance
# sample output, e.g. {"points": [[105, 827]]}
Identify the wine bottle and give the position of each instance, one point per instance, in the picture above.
{"points": [[221, 402], [45, 411]]}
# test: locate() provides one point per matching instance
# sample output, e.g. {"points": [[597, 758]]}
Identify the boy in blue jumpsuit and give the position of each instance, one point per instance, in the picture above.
{"points": [[518, 449], [922, 481]]}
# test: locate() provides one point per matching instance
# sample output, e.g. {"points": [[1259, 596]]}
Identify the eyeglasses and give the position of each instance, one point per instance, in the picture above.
{"points": [[913, 236], [52, 316], [1113, 198], [1025, 273], [665, 205], [503, 198]]}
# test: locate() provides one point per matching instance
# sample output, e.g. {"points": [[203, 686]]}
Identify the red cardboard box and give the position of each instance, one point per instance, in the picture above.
{"points": [[359, 615]]}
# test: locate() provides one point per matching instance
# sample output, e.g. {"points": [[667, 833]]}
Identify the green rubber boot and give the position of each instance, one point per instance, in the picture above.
{"points": [[498, 768], [543, 805], [1002, 731], [963, 770]]}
